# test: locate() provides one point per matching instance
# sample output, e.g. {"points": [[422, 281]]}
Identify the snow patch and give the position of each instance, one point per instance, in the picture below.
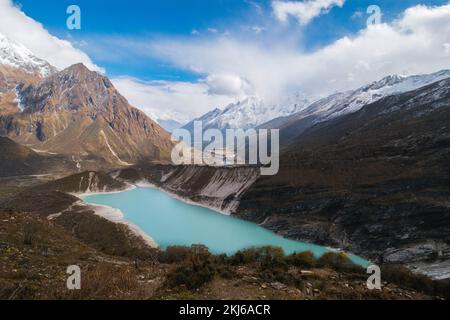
{"points": [[16, 55], [18, 100]]}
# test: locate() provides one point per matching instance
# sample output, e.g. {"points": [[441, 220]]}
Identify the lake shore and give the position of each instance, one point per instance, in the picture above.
{"points": [[239, 235], [116, 216]]}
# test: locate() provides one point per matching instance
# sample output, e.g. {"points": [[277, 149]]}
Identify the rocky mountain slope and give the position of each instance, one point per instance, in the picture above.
{"points": [[10, 79], [375, 182], [79, 113], [73, 112]]}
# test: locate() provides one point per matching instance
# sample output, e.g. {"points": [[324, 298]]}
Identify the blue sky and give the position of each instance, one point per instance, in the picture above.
{"points": [[177, 59], [156, 18]]}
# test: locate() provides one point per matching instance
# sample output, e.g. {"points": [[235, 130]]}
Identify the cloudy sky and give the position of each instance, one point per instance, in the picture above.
{"points": [[177, 59]]}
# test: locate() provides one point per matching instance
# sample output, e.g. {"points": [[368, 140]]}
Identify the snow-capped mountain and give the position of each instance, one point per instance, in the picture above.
{"points": [[251, 112], [348, 102], [16, 55], [343, 103]]}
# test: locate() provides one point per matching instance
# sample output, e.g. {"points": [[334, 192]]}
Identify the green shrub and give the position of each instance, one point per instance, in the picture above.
{"points": [[302, 260], [175, 254], [264, 256], [246, 256], [271, 258], [336, 260], [196, 270]]}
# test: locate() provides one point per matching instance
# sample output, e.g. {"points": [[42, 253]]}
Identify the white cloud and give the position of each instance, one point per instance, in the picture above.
{"points": [[228, 85], [15, 25], [304, 11], [417, 42], [180, 101], [269, 65]]}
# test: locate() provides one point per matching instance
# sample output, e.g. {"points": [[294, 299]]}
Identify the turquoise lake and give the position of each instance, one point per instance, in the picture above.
{"points": [[172, 222]]}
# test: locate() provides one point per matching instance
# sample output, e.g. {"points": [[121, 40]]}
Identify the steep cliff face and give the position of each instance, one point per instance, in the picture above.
{"points": [[85, 182], [218, 188], [79, 113]]}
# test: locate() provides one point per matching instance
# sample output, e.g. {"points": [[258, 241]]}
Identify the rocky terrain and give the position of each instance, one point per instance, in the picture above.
{"points": [[10, 79]]}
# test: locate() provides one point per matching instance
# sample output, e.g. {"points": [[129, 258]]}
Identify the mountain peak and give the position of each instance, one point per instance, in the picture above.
{"points": [[252, 111], [78, 67], [76, 88], [387, 81], [78, 71], [16, 55], [78, 112]]}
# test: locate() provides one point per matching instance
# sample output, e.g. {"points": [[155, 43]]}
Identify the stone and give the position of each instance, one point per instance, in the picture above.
{"points": [[278, 286]]}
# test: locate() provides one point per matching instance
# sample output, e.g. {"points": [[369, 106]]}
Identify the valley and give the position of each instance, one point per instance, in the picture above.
{"points": [[364, 171]]}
